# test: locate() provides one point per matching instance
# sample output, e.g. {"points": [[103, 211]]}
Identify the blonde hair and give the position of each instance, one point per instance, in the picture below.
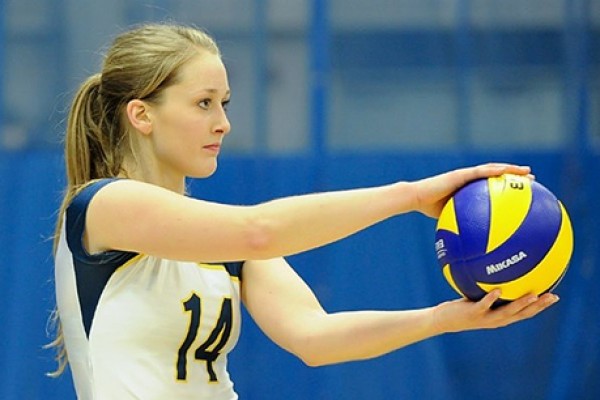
{"points": [[140, 64]]}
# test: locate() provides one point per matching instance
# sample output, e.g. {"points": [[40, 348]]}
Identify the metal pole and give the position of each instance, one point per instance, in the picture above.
{"points": [[319, 41], [463, 70], [2, 63], [261, 142]]}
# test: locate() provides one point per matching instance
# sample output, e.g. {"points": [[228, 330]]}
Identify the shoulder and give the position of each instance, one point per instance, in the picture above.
{"points": [[124, 192]]}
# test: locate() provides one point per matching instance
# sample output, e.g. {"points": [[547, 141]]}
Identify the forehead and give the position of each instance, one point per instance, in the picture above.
{"points": [[205, 71]]}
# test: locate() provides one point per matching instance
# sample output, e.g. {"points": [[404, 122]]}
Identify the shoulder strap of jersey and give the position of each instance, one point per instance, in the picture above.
{"points": [[75, 220]]}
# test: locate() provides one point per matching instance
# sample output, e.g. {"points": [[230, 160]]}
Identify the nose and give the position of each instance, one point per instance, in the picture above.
{"points": [[222, 126]]}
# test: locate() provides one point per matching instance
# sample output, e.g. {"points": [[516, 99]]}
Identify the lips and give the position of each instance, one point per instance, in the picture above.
{"points": [[213, 147]]}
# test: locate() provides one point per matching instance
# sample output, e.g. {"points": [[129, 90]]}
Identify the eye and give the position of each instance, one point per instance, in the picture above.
{"points": [[225, 104], [204, 104]]}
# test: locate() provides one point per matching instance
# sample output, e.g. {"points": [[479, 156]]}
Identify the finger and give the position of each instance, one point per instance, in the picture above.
{"points": [[516, 306], [545, 301], [489, 299], [491, 169], [531, 305], [503, 168], [524, 301]]}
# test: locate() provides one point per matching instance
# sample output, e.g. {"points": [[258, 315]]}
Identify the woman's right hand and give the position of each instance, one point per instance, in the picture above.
{"points": [[463, 315]]}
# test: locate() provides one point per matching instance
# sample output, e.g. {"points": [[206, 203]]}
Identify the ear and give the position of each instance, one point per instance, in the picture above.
{"points": [[138, 114]]}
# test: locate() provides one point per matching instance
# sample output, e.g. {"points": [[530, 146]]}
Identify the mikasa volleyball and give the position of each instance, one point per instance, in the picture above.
{"points": [[508, 232]]}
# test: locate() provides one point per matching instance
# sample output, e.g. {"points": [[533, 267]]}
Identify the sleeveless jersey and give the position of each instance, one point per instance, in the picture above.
{"points": [[141, 327]]}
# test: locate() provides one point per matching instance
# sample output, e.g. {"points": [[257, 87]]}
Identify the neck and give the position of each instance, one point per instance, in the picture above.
{"points": [[153, 175]]}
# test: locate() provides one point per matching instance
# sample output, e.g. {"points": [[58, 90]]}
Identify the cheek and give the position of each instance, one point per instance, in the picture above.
{"points": [[179, 144], [177, 134]]}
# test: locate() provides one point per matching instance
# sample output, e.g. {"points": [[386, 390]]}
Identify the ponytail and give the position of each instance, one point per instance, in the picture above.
{"points": [[82, 126], [93, 134]]}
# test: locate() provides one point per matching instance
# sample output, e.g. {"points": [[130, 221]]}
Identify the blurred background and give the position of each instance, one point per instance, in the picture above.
{"points": [[336, 94]]}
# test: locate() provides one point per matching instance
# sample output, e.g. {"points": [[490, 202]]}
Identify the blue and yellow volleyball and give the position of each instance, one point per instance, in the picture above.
{"points": [[507, 232]]}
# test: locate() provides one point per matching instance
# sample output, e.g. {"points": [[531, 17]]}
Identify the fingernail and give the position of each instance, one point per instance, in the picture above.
{"points": [[552, 300]]}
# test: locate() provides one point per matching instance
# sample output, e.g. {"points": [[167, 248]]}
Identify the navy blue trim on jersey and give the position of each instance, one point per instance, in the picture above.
{"points": [[234, 269], [92, 271]]}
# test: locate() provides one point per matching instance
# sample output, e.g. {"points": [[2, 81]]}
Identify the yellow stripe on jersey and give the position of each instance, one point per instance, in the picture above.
{"points": [[219, 267], [131, 261]]}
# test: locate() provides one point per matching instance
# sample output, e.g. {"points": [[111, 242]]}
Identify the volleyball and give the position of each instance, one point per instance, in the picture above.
{"points": [[507, 232]]}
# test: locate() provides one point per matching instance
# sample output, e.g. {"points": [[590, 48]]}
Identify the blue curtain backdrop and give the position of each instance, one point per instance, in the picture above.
{"points": [[546, 75]]}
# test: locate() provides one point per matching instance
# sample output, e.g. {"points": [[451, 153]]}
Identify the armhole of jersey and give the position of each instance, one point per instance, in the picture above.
{"points": [[75, 219], [234, 269], [92, 271]]}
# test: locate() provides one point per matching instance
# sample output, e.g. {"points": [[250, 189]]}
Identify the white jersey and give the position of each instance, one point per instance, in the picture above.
{"points": [[140, 327]]}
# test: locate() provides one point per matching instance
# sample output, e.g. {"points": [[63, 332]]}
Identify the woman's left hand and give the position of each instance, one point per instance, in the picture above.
{"points": [[432, 193]]}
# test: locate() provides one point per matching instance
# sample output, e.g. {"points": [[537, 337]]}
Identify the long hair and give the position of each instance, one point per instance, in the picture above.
{"points": [[140, 64]]}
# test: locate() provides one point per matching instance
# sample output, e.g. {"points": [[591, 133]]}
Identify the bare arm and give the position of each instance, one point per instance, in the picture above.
{"points": [[288, 312], [134, 216]]}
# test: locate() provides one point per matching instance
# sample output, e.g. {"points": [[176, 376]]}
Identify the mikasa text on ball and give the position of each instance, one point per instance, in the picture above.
{"points": [[506, 232]]}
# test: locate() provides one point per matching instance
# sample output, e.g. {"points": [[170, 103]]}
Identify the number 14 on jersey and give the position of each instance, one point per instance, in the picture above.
{"points": [[210, 349]]}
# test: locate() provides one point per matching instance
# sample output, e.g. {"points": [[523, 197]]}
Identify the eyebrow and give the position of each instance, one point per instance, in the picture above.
{"points": [[213, 91]]}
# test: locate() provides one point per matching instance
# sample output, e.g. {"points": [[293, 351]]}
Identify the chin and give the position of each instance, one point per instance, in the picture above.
{"points": [[204, 172]]}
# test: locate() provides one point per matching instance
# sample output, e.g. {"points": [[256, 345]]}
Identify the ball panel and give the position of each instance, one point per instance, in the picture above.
{"points": [[510, 199], [448, 247], [447, 240], [459, 278], [472, 208], [548, 273], [448, 275], [447, 219]]}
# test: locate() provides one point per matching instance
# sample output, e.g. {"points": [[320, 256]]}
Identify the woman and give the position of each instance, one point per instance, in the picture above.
{"points": [[149, 282]]}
